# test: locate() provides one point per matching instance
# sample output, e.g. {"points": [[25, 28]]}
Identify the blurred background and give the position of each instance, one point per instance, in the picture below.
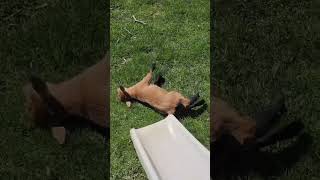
{"points": [[262, 48], [54, 40]]}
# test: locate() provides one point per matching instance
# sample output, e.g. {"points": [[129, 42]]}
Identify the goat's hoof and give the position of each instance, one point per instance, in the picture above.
{"points": [[153, 66]]}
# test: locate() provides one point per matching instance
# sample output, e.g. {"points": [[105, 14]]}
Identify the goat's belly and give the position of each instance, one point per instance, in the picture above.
{"points": [[159, 104], [168, 109]]}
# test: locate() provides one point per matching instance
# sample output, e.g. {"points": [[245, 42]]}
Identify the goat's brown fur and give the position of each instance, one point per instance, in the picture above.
{"points": [[157, 97], [226, 120], [85, 95]]}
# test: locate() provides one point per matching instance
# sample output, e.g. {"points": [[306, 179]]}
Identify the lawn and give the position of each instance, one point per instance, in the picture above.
{"points": [[174, 35], [55, 40], [263, 47]]}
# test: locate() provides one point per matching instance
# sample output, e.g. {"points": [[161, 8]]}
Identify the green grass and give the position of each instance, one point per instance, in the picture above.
{"points": [[176, 37], [262, 47], [55, 40]]}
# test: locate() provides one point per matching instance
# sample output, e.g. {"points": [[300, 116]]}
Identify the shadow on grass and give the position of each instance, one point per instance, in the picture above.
{"points": [[181, 112], [264, 163], [82, 123]]}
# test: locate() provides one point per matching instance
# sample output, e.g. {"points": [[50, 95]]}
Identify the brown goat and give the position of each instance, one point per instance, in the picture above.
{"points": [[164, 101], [84, 95], [226, 120], [237, 140]]}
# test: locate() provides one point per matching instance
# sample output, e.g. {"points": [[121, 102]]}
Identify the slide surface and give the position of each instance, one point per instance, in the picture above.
{"points": [[168, 151]]}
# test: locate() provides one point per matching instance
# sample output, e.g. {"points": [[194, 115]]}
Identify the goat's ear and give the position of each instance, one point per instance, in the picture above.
{"points": [[39, 86], [124, 91], [59, 133]]}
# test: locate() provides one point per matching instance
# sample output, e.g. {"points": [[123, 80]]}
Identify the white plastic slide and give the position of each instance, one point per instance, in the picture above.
{"points": [[168, 151]]}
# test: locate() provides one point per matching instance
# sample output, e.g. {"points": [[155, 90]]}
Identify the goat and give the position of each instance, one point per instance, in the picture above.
{"points": [[71, 103], [238, 137], [245, 129], [165, 102]]}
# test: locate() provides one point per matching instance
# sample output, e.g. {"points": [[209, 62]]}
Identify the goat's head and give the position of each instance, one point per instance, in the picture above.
{"points": [[44, 110], [35, 107], [245, 132], [124, 96]]}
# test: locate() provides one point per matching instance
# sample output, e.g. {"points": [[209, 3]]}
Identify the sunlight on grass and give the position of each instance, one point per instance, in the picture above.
{"points": [[175, 36]]}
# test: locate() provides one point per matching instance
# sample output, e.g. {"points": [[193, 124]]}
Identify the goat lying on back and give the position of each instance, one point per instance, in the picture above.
{"points": [[236, 136], [166, 102], [244, 128], [78, 102]]}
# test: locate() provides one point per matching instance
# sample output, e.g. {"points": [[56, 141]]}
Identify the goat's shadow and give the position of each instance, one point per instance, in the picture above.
{"points": [[264, 163], [78, 123], [181, 112]]}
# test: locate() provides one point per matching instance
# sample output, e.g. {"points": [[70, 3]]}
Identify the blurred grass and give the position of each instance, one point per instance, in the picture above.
{"points": [[176, 37], [263, 47], [55, 40]]}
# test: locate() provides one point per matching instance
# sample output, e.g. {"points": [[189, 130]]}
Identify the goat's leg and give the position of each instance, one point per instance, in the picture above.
{"points": [[266, 118], [281, 133], [160, 81], [147, 79], [193, 101]]}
